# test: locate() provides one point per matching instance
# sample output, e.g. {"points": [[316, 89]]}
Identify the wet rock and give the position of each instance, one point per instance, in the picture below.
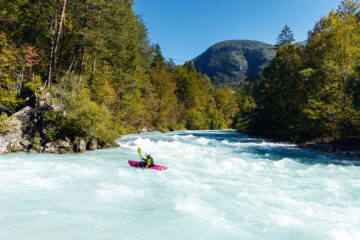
{"points": [[51, 149], [80, 145], [25, 143], [93, 145], [13, 140], [33, 151], [144, 129], [64, 144]]}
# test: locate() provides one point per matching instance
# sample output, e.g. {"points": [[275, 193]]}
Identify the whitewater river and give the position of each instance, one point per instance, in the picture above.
{"points": [[219, 185]]}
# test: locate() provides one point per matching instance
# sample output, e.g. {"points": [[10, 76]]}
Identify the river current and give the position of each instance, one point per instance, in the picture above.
{"points": [[220, 185]]}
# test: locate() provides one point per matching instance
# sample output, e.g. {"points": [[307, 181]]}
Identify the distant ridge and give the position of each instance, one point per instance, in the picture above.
{"points": [[229, 62]]}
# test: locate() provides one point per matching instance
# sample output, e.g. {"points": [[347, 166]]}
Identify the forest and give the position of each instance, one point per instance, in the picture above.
{"points": [[93, 58], [309, 91]]}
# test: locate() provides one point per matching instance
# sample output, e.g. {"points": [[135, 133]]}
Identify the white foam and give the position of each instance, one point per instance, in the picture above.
{"points": [[344, 234], [260, 144], [213, 189]]}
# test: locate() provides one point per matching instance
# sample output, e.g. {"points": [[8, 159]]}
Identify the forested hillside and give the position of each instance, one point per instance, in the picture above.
{"points": [[92, 60], [85, 69], [310, 91], [228, 63]]}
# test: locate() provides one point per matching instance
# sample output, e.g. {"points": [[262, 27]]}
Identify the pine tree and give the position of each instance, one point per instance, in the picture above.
{"points": [[286, 37]]}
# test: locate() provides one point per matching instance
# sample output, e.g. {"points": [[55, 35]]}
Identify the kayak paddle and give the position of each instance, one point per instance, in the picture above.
{"points": [[139, 151]]}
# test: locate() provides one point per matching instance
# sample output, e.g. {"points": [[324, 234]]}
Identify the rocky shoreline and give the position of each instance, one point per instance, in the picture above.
{"points": [[26, 124], [20, 140], [21, 137], [349, 149]]}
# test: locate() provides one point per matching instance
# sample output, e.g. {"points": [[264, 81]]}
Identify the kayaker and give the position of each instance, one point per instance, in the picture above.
{"points": [[148, 161]]}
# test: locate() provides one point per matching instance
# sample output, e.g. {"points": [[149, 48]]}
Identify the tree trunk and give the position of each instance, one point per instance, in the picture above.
{"points": [[73, 63], [93, 70], [83, 36], [53, 30], [81, 66], [55, 41], [61, 43]]}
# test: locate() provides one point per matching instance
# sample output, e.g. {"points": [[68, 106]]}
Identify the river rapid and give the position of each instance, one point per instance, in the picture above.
{"points": [[219, 185]]}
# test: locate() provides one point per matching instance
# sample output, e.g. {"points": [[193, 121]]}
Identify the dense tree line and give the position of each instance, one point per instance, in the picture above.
{"points": [[94, 58], [309, 91]]}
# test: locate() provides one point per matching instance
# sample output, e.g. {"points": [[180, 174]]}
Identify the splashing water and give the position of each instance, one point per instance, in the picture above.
{"points": [[219, 185]]}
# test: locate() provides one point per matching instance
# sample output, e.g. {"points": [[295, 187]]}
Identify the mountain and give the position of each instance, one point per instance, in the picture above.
{"points": [[229, 62]]}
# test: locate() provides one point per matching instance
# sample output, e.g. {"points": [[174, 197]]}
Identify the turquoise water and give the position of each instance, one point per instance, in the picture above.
{"points": [[219, 185]]}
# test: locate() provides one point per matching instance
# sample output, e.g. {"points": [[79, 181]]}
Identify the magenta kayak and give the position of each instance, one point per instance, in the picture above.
{"points": [[155, 167]]}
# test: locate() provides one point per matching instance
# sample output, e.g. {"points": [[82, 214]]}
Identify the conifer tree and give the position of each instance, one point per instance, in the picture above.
{"points": [[286, 37]]}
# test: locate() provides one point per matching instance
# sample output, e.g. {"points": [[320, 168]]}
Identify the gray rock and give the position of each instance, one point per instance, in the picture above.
{"points": [[48, 145], [51, 149], [64, 151], [24, 116], [46, 101], [64, 144], [25, 143], [93, 144], [80, 145], [14, 140], [33, 151], [144, 129]]}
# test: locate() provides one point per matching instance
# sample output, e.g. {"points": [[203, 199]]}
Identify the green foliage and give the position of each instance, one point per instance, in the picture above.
{"points": [[226, 103], [107, 78], [53, 123], [86, 119], [8, 67], [312, 91], [11, 147], [36, 142], [7, 124], [209, 119], [230, 62], [164, 89], [246, 104], [4, 122], [285, 38]]}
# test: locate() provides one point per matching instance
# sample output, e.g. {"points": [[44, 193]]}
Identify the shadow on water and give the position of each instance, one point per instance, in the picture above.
{"points": [[272, 150]]}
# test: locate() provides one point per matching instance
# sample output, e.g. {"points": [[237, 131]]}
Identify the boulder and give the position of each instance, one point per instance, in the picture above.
{"points": [[144, 129], [64, 151], [93, 144], [33, 151], [25, 143], [64, 144], [14, 140], [25, 117], [80, 145], [51, 149], [48, 145], [46, 101]]}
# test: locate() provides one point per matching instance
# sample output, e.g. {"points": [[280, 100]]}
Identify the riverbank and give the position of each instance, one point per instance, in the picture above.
{"points": [[18, 141], [23, 137], [349, 148], [31, 129]]}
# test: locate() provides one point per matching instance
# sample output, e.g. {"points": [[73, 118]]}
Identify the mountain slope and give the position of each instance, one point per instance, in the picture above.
{"points": [[229, 62]]}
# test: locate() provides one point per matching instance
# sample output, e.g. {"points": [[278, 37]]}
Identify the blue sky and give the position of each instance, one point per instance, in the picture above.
{"points": [[186, 28]]}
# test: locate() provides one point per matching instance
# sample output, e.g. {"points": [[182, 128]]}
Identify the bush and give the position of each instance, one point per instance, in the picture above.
{"points": [[36, 142], [210, 119], [7, 124], [86, 119]]}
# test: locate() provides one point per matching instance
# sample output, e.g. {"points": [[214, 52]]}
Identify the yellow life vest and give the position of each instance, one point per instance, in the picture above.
{"points": [[148, 162]]}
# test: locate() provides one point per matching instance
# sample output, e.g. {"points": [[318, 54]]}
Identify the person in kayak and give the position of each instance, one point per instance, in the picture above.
{"points": [[147, 162]]}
